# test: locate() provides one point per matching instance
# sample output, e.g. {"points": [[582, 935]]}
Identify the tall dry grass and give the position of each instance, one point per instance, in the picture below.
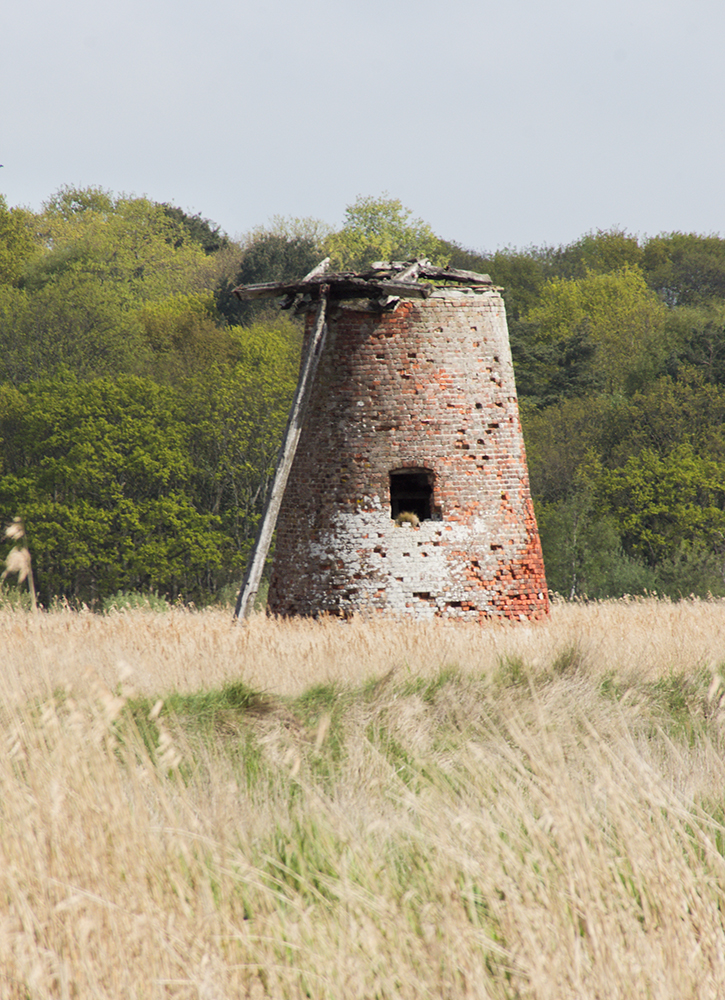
{"points": [[185, 651], [409, 811]]}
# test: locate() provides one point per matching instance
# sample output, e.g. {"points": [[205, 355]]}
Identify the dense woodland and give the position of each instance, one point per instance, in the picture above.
{"points": [[142, 405]]}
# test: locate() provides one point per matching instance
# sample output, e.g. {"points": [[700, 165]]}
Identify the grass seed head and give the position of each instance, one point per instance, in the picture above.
{"points": [[16, 529]]}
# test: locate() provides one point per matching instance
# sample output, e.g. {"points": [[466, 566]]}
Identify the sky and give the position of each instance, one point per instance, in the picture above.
{"points": [[504, 124]]}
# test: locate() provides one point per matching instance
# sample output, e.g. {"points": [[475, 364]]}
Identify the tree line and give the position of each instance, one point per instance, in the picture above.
{"points": [[619, 352], [142, 405]]}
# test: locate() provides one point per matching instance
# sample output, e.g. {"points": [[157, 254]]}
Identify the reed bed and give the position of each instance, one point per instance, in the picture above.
{"points": [[186, 650], [191, 809]]}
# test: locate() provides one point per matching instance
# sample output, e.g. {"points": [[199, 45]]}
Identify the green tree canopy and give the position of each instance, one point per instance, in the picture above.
{"points": [[130, 243], [697, 339], [662, 501], [76, 323], [621, 315], [184, 336], [204, 232], [19, 244], [282, 254], [600, 252], [238, 413], [671, 413], [381, 229], [100, 472], [685, 269]]}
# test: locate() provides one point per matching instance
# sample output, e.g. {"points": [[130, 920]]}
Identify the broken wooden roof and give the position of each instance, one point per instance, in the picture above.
{"points": [[384, 284]]}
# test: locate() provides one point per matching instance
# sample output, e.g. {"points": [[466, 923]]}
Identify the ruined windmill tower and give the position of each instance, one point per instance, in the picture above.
{"points": [[402, 487]]}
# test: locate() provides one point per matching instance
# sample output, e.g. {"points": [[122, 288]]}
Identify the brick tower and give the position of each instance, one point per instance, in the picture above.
{"points": [[409, 493]]}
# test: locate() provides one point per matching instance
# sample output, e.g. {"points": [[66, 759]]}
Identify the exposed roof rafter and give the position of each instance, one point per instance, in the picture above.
{"points": [[385, 282]]}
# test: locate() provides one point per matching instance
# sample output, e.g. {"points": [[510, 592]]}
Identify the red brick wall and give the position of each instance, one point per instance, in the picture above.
{"points": [[428, 386]]}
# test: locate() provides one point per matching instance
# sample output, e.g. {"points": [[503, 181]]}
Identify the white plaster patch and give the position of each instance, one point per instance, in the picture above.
{"points": [[408, 570]]}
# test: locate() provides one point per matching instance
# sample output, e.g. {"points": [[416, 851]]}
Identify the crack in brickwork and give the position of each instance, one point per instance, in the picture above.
{"points": [[429, 386]]}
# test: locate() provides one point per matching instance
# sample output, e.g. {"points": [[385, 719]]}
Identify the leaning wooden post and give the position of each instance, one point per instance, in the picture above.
{"points": [[310, 360]]}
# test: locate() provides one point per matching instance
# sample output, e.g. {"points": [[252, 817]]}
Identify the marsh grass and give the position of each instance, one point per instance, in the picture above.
{"points": [[194, 810]]}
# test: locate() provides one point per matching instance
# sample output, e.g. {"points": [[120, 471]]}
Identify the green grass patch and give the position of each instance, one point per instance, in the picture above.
{"points": [[427, 689]]}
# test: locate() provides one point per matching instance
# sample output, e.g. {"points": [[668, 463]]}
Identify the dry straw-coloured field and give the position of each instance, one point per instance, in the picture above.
{"points": [[192, 809]]}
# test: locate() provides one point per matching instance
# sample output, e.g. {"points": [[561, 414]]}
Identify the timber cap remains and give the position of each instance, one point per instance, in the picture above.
{"points": [[384, 284]]}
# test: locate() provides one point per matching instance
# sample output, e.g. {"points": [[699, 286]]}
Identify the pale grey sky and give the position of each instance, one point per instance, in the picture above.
{"points": [[498, 123]]}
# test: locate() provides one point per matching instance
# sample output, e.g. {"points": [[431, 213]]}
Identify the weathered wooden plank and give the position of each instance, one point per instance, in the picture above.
{"points": [[406, 289], [265, 289], [340, 287], [308, 368], [409, 273], [454, 274], [399, 278], [428, 270], [394, 265]]}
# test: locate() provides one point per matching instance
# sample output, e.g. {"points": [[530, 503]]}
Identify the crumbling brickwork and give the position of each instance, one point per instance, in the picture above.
{"points": [[414, 408]]}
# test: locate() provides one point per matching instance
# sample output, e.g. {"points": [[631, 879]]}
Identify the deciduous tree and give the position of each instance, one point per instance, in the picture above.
{"points": [[618, 312], [100, 472], [382, 229]]}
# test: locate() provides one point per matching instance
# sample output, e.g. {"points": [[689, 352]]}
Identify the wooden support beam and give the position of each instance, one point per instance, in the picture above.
{"points": [[308, 368]]}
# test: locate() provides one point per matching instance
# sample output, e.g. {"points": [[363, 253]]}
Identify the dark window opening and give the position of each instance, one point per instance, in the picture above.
{"points": [[411, 492]]}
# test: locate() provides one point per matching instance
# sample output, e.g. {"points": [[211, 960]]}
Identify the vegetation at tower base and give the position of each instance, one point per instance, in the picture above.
{"points": [[112, 306]]}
